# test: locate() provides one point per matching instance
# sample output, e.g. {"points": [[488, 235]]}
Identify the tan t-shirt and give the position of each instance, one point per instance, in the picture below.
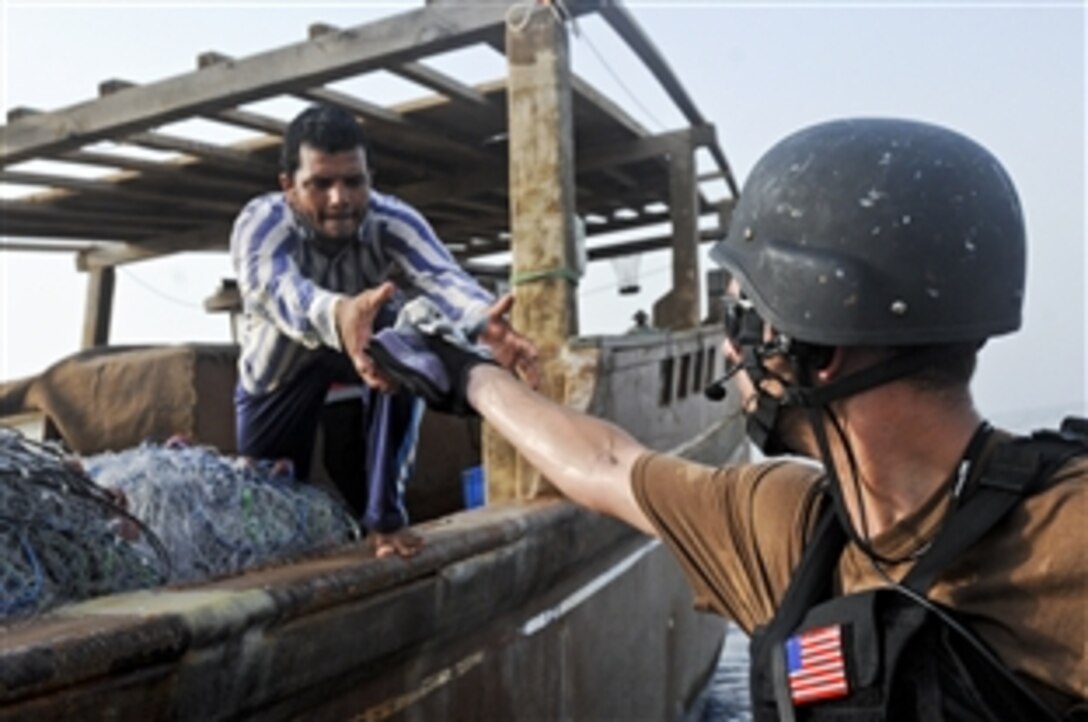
{"points": [[738, 532]]}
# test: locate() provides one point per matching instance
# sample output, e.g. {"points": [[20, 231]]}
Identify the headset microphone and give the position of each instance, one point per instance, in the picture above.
{"points": [[716, 390]]}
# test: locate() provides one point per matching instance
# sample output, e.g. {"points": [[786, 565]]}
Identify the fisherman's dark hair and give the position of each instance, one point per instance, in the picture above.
{"points": [[323, 127]]}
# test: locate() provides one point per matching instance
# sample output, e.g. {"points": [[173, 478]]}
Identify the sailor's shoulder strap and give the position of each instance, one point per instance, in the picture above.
{"points": [[1017, 469], [813, 579]]}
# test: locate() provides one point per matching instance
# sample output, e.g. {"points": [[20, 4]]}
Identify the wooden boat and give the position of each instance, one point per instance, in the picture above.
{"points": [[528, 607]]}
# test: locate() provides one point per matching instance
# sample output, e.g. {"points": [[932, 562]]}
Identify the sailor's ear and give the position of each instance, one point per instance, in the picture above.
{"points": [[828, 361], [286, 182]]}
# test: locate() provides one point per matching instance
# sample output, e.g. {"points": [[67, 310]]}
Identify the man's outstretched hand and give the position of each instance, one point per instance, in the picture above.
{"points": [[512, 350], [355, 324]]}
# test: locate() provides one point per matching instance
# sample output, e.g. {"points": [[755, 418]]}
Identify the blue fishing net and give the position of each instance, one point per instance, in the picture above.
{"points": [[63, 538], [219, 515], [74, 529]]}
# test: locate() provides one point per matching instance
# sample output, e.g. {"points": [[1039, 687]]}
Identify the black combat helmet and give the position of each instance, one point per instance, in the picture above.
{"points": [[879, 232]]}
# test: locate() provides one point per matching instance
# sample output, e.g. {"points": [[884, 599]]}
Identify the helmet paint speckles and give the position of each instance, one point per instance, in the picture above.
{"points": [[879, 232]]}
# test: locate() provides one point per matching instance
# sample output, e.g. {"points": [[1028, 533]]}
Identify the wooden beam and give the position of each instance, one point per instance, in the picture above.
{"points": [[422, 74], [653, 146], [414, 132], [20, 209], [620, 178], [214, 236], [368, 111], [251, 121], [46, 247], [393, 40], [618, 154], [542, 209], [54, 228], [443, 84], [99, 308], [602, 103], [222, 156], [231, 116], [230, 157], [626, 27], [680, 307], [181, 171], [113, 189]]}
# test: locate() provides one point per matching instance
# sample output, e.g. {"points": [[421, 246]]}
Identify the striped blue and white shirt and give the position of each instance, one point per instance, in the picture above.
{"points": [[290, 288]]}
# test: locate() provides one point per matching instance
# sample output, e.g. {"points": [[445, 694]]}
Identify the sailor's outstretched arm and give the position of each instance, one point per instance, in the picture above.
{"points": [[589, 459]]}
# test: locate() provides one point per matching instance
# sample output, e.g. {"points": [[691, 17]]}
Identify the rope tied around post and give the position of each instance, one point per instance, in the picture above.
{"points": [[519, 14]]}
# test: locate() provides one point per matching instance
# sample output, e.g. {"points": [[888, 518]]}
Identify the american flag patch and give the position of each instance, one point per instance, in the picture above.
{"points": [[817, 669]]}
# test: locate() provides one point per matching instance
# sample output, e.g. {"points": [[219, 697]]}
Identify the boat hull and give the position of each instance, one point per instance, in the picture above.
{"points": [[522, 611]]}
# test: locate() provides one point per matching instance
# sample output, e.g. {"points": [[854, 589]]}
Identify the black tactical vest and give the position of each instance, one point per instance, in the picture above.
{"points": [[891, 654]]}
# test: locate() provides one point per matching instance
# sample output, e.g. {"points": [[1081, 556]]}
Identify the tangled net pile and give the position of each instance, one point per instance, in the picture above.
{"points": [[219, 515], [62, 538]]}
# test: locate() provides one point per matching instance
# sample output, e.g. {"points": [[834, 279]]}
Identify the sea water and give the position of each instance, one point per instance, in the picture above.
{"points": [[725, 698]]}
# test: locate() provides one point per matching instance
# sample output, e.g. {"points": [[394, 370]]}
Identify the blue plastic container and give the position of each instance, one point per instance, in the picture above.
{"points": [[473, 487]]}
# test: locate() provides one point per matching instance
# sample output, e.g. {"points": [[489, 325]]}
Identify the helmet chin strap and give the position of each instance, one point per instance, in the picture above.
{"points": [[764, 423], [764, 427]]}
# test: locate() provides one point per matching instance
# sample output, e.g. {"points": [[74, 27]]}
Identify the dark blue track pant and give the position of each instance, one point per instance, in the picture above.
{"points": [[283, 424]]}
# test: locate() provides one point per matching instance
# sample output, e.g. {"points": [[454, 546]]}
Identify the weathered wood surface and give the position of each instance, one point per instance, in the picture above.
{"points": [[98, 309], [220, 86], [542, 216], [484, 624]]}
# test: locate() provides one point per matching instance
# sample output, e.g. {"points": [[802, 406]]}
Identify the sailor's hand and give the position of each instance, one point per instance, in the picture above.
{"points": [[355, 324], [403, 542], [512, 350]]}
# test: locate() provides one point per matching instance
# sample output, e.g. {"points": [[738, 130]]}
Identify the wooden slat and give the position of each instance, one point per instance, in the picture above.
{"points": [[444, 84], [366, 110], [112, 189], [113, 231], [46, 247], [232, 116], [423, 75], [208, 237], [218, 155], [217, 87], [411, 133], [230, 158], [17, 211], [602, 104], [618, 154], [174, 171], [250, 120]]}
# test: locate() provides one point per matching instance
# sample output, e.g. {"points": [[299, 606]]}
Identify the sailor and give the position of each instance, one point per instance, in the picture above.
{"points": [[928, 566], [320, 264]]}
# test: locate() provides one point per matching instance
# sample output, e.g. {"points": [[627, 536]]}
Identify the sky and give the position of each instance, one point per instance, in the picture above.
{"points": [[1010, 75]]}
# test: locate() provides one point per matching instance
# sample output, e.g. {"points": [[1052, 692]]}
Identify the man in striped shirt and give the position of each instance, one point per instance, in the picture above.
{"points": [[320, 265]]}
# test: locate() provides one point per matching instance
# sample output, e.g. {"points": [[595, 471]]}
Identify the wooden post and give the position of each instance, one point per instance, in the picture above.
{"points": [[98, 308], [679, 308], [542, 210]]}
